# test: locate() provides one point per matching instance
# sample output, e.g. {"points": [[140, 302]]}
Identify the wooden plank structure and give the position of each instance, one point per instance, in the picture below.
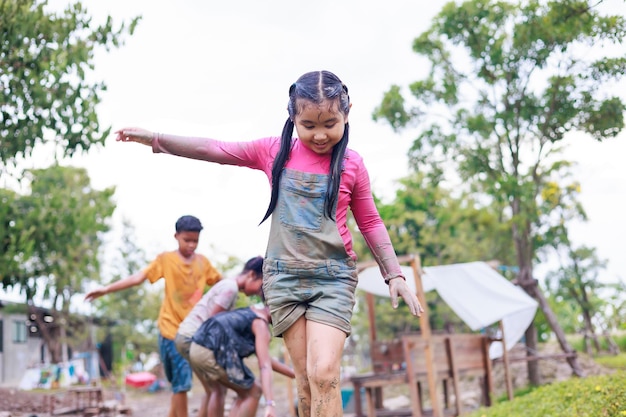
{"points": [[456, 356], [84, 398], [422, 361]]}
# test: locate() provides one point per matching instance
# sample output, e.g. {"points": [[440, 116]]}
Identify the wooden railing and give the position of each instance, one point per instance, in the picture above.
{"points": [[402, 361]]}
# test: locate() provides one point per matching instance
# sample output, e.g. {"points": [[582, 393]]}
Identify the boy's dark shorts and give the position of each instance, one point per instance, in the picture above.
{"points": [[177, 369]]}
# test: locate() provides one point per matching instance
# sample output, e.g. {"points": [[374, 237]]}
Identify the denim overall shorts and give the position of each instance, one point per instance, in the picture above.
{"points": [[307, 270]]}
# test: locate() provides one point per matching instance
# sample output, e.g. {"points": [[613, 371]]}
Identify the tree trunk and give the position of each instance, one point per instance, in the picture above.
{"points": [[591, 331], [532, 366], [613, 348], [590, 336], [556, 328], [523, 248], [587, 344]]}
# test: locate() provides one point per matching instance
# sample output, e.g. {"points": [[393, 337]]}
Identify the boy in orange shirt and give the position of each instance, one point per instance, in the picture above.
{"points": [[186, 274]]}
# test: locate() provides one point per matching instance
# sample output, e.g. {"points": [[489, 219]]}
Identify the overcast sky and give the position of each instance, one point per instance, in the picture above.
{"points": [[222, 69]]}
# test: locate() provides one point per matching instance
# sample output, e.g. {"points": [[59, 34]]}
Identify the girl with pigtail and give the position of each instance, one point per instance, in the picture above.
{"points": [[309, 271]]}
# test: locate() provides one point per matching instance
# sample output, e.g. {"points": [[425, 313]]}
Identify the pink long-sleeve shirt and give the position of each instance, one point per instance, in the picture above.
{"points": [[354, 189]]}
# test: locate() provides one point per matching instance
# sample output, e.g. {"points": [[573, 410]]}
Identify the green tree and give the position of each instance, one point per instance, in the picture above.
{"points": [[442, 227], [16, 246], [48, 97], [64, 218], [507, 83], [45, 59], [68, 217], [576, 282]]}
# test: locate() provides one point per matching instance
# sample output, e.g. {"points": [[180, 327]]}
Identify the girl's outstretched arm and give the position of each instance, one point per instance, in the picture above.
{"points": [[250, 154], [187, 146]]}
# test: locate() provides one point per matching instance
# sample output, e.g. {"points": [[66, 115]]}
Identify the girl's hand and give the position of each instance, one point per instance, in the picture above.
{"points": [[134, 134], [399, 288]]}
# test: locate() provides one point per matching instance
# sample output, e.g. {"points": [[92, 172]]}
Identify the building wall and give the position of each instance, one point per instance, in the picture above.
{"points": [[19, 350]]}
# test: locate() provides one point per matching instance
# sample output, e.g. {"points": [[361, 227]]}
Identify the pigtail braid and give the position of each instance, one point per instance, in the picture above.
{"points": [[279, 163], [334, 177]]}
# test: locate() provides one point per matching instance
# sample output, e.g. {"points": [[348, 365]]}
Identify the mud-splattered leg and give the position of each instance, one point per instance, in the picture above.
{"points": [[324, 350], [295, 341], [316, 351]]}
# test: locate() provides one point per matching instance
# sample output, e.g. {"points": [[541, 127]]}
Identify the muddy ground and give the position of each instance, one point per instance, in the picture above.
{"points": [[130, 401], [141, 402], [134, 402]]}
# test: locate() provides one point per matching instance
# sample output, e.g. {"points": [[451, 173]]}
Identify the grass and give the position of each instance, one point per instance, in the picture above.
{"points": [[601, 396], [596, 396], [612, 361]]}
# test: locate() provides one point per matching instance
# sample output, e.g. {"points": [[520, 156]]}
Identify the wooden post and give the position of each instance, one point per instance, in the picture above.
{"points": [[371, 316], [505, 362], [426, 334], [488, 382], [414, 388], [455, 375], [369, 300]]}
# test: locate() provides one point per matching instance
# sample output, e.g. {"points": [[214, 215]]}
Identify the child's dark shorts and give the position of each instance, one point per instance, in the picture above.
{"points": [[177, 369]]}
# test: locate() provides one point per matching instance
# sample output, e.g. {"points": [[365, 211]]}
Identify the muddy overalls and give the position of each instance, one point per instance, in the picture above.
{"points": [[307, 270]]}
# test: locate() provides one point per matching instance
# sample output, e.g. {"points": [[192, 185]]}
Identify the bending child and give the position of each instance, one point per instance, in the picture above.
{"points": [[221, 297], [309, 271], [217, 355]]}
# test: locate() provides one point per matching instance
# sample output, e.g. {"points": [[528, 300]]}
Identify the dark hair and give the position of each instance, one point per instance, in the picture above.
{"points": [[315, 87], [254, 264], [188, 224]]}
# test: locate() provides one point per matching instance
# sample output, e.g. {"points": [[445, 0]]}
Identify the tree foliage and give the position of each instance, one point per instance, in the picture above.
{"points": [[507, 83], [16, 245], [50, 234], [51, 238], [67, 217], [443, 228], [510, 82], [45, 60]]}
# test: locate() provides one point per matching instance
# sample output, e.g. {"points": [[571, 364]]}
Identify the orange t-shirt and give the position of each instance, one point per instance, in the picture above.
{"points": [[185, 281]]}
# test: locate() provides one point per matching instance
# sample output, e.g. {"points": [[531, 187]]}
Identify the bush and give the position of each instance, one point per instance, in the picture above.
{"points": [[597, 396]]}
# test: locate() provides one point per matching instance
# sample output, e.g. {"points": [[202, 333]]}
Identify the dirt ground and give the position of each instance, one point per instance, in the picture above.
{"points": [[135, 402], [157, 404], [141, 402]]}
